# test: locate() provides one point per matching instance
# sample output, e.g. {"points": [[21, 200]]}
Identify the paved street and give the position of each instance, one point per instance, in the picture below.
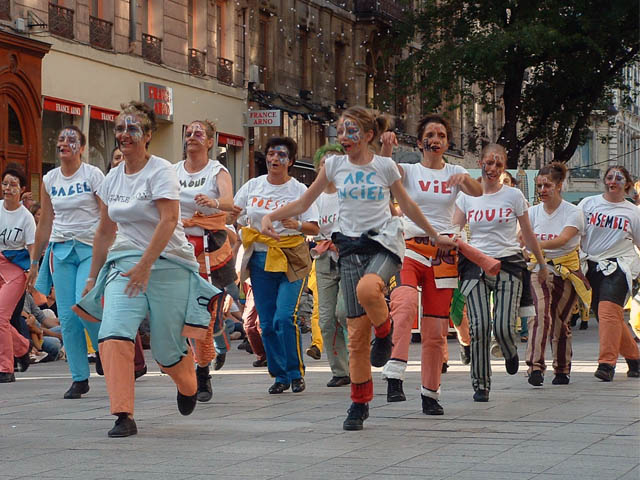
{"points": [[586, 430]]}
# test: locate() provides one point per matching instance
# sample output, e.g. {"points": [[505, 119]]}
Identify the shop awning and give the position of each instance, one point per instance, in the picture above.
{"points": [[63, 106]]}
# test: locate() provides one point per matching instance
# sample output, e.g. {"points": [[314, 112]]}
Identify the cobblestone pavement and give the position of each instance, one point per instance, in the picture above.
{"points": [[586, 430]]}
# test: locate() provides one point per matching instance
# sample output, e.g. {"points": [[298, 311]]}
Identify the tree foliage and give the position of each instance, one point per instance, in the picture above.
{"points": [[553, 63]]}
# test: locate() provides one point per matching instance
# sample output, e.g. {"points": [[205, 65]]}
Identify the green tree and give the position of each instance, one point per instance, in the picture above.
{"points": [[554, 63]]}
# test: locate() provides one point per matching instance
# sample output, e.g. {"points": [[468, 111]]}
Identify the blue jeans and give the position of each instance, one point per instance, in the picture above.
{"points": [[71, 264], [52, 345], [277, 303]]}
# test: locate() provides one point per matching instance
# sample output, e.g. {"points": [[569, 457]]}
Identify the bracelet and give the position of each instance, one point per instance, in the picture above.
{"points": [[299, 225], [35, 262], [217, 203], [90, 279]]}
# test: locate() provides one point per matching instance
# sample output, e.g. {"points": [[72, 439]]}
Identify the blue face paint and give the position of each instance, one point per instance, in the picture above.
{"points": [[68, 137], [131, 126], [279, 154]]}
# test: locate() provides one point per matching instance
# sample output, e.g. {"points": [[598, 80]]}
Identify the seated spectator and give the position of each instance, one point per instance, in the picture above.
{"points": [[44, 327]]}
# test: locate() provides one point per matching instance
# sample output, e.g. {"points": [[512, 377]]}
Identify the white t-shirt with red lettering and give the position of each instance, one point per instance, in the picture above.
{"points": [[548, 227], [493, 220], [327, 204], [428, 188], [258, 197], [609, 227], [75, 207], [192, 184]]}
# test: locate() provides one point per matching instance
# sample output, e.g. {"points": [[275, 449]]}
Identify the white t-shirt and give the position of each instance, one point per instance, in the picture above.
{"points": [[493, 221], [76, 210], [327, 204], [363, 192], [548, 227], [609, 225], [428, 188], [259, 197], [17, 228], [191, 184], [130, 200]]}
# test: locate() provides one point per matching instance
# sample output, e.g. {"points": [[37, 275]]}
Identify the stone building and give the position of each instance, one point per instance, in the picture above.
{"points": [[186, 58]]}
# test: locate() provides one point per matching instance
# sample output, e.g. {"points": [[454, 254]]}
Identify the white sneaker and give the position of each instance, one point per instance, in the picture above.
{"points": [[37, 357]]}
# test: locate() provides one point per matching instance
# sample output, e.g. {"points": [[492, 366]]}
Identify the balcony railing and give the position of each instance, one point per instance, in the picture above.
{"points": [[100, 33], [225, 70], [197, 62], [387, 10], [61, 21], [5, 10], [151, 48], [590, 173]]}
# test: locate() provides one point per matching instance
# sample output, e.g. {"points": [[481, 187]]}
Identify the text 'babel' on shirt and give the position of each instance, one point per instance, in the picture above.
{"points": [[75, 207]]}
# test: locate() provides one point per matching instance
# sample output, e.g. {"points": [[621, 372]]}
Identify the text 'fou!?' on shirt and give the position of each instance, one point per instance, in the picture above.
{"points": [[363, 192], [548, 227], [131, 203], [17, 228], [259, 197], [609, 225], [191, 184], [76, 210], [493, 220], [429, 189]]}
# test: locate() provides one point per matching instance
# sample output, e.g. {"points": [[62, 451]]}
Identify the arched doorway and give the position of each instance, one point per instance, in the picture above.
{"points": [[20, 105]]}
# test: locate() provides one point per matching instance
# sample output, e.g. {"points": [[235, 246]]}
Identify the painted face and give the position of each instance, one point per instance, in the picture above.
{"points": [[435, 138], [278, 155], [130, 126], [10, 186], [349, 130], [615, 180], [492, 166], [197, 133], [68, 142], [546, 188]]}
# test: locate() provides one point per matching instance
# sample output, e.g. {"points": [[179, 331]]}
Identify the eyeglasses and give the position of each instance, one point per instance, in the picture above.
{"points": [[10, 185]]}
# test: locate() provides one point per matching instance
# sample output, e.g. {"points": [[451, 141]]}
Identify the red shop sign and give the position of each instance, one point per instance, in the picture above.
{"points": [[99, 113], [230, 140], [63, 106]]}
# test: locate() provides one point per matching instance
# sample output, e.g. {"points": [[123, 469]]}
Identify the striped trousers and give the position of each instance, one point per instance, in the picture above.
{"points": [[506, 289], [554, 302]]}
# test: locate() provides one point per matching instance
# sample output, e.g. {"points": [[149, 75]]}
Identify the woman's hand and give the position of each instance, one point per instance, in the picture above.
{"points": [[89, 284], [543, 273], [32, 277], [267, 227], [445, 242], [203, 201], [138, 279], [291, 224], [457, 179]]}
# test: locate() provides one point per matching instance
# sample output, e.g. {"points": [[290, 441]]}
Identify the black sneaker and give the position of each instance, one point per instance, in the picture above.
{"points": [[381, 349], [6, 377], [99, 369], [634, 368], [584, 325], [465, 354], [139, 373], [278, 387], [205, 390], [481, 396], [512, 364], [298, 385], [431, 406], [243, 345], [394, 390], [445, 367], [314, 352], [339, 381], [560, 379], [356, 415], [23, 362], [124, 427], [77, 389], [186, 404], [219, 361], [605, 372], [536, 378], [261, 362]]}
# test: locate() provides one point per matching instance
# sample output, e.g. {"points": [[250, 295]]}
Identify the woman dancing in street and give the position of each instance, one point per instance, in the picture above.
{"points": [[612, 228], [206, 194], [433, 184], [150, 270], [369, 242], [557, 225], [279, 268], [70, 215], [493, 219], [18, 229]]}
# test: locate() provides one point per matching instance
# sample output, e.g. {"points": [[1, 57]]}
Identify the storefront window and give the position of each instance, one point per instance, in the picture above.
{"points": [[52, 123], [102, 142], [227, 157]]}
